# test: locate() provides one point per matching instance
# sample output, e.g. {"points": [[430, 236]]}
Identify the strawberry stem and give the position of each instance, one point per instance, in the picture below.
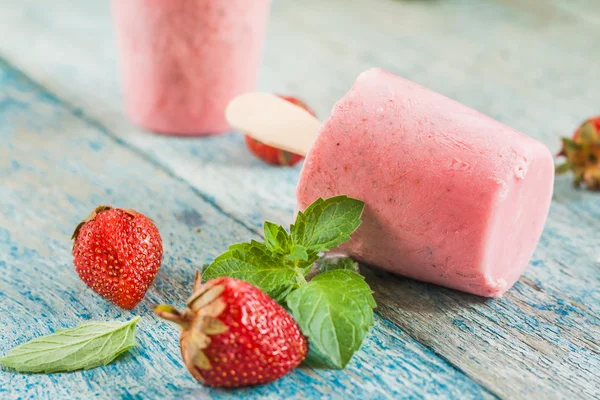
{"points": [[299, 276], [171, 314]]}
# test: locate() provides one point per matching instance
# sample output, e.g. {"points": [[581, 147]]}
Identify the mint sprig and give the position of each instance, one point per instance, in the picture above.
{"points": [[86, 346], [335, 308], [256, 263], [276, 238]]}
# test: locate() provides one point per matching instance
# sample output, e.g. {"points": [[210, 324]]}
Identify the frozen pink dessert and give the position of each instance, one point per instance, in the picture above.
{"points": [[452, 196], [183, 61]]}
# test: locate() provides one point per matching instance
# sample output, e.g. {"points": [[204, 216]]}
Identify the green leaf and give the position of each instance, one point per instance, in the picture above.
{"points": [[255, 263], [297, 253], [335, 311], [563, 168], [203, 268], [326, 224], [294, 255], [276, 238], [570, 144], [87, 346], [314, 359], [283, 292], [332, 263], [301, 259]]}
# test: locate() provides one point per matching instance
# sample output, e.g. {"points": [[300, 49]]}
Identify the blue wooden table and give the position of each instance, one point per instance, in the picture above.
{"points": [[66, 146]]}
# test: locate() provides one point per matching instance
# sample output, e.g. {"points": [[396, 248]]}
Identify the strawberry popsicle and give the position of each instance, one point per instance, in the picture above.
{"points": [[452, 196], [183, 61]]}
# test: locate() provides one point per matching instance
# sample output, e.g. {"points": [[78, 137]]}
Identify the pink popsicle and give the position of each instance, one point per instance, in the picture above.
{"points": [[183, 61], [452, 196]]}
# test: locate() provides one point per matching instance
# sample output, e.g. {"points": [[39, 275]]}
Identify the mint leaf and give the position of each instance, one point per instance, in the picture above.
{"points": [[281, 263], [335, 311], [332, 263], [276, 238], [326, 224], [294, 255], [314, 359], [87, 346], [301, 259], [255, 263], [297, 253], [282, 293]]}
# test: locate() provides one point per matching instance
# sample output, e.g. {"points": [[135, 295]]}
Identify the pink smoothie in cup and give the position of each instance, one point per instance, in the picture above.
{"points": [[182, 61]]}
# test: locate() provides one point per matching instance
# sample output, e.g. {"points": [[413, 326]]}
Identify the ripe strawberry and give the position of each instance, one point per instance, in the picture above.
{"points": [[272, 155], [583, 154], [233, 334], [117, 253]]}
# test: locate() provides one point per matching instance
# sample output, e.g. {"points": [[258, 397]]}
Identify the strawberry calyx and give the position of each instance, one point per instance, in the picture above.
{"points": [[89, 218], [95, 213], [199, 321], [582, 153]]}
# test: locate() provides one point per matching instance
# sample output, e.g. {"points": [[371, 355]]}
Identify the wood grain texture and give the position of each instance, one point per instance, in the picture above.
{"points": [[513, 65], [54, 168], [527, 64]]}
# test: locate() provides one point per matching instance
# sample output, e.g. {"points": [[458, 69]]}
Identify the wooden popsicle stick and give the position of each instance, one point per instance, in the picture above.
{"points": [[273, 121]]}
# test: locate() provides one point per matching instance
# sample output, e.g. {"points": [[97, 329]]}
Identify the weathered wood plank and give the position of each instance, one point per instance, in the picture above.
{"points": [[528, 69], [500, 61], [54, 168]]}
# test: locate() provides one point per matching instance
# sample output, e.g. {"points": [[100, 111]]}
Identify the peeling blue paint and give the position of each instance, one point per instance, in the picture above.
{"points": [[529, 319], [95, 146], [461, 324], [45, 294]]}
